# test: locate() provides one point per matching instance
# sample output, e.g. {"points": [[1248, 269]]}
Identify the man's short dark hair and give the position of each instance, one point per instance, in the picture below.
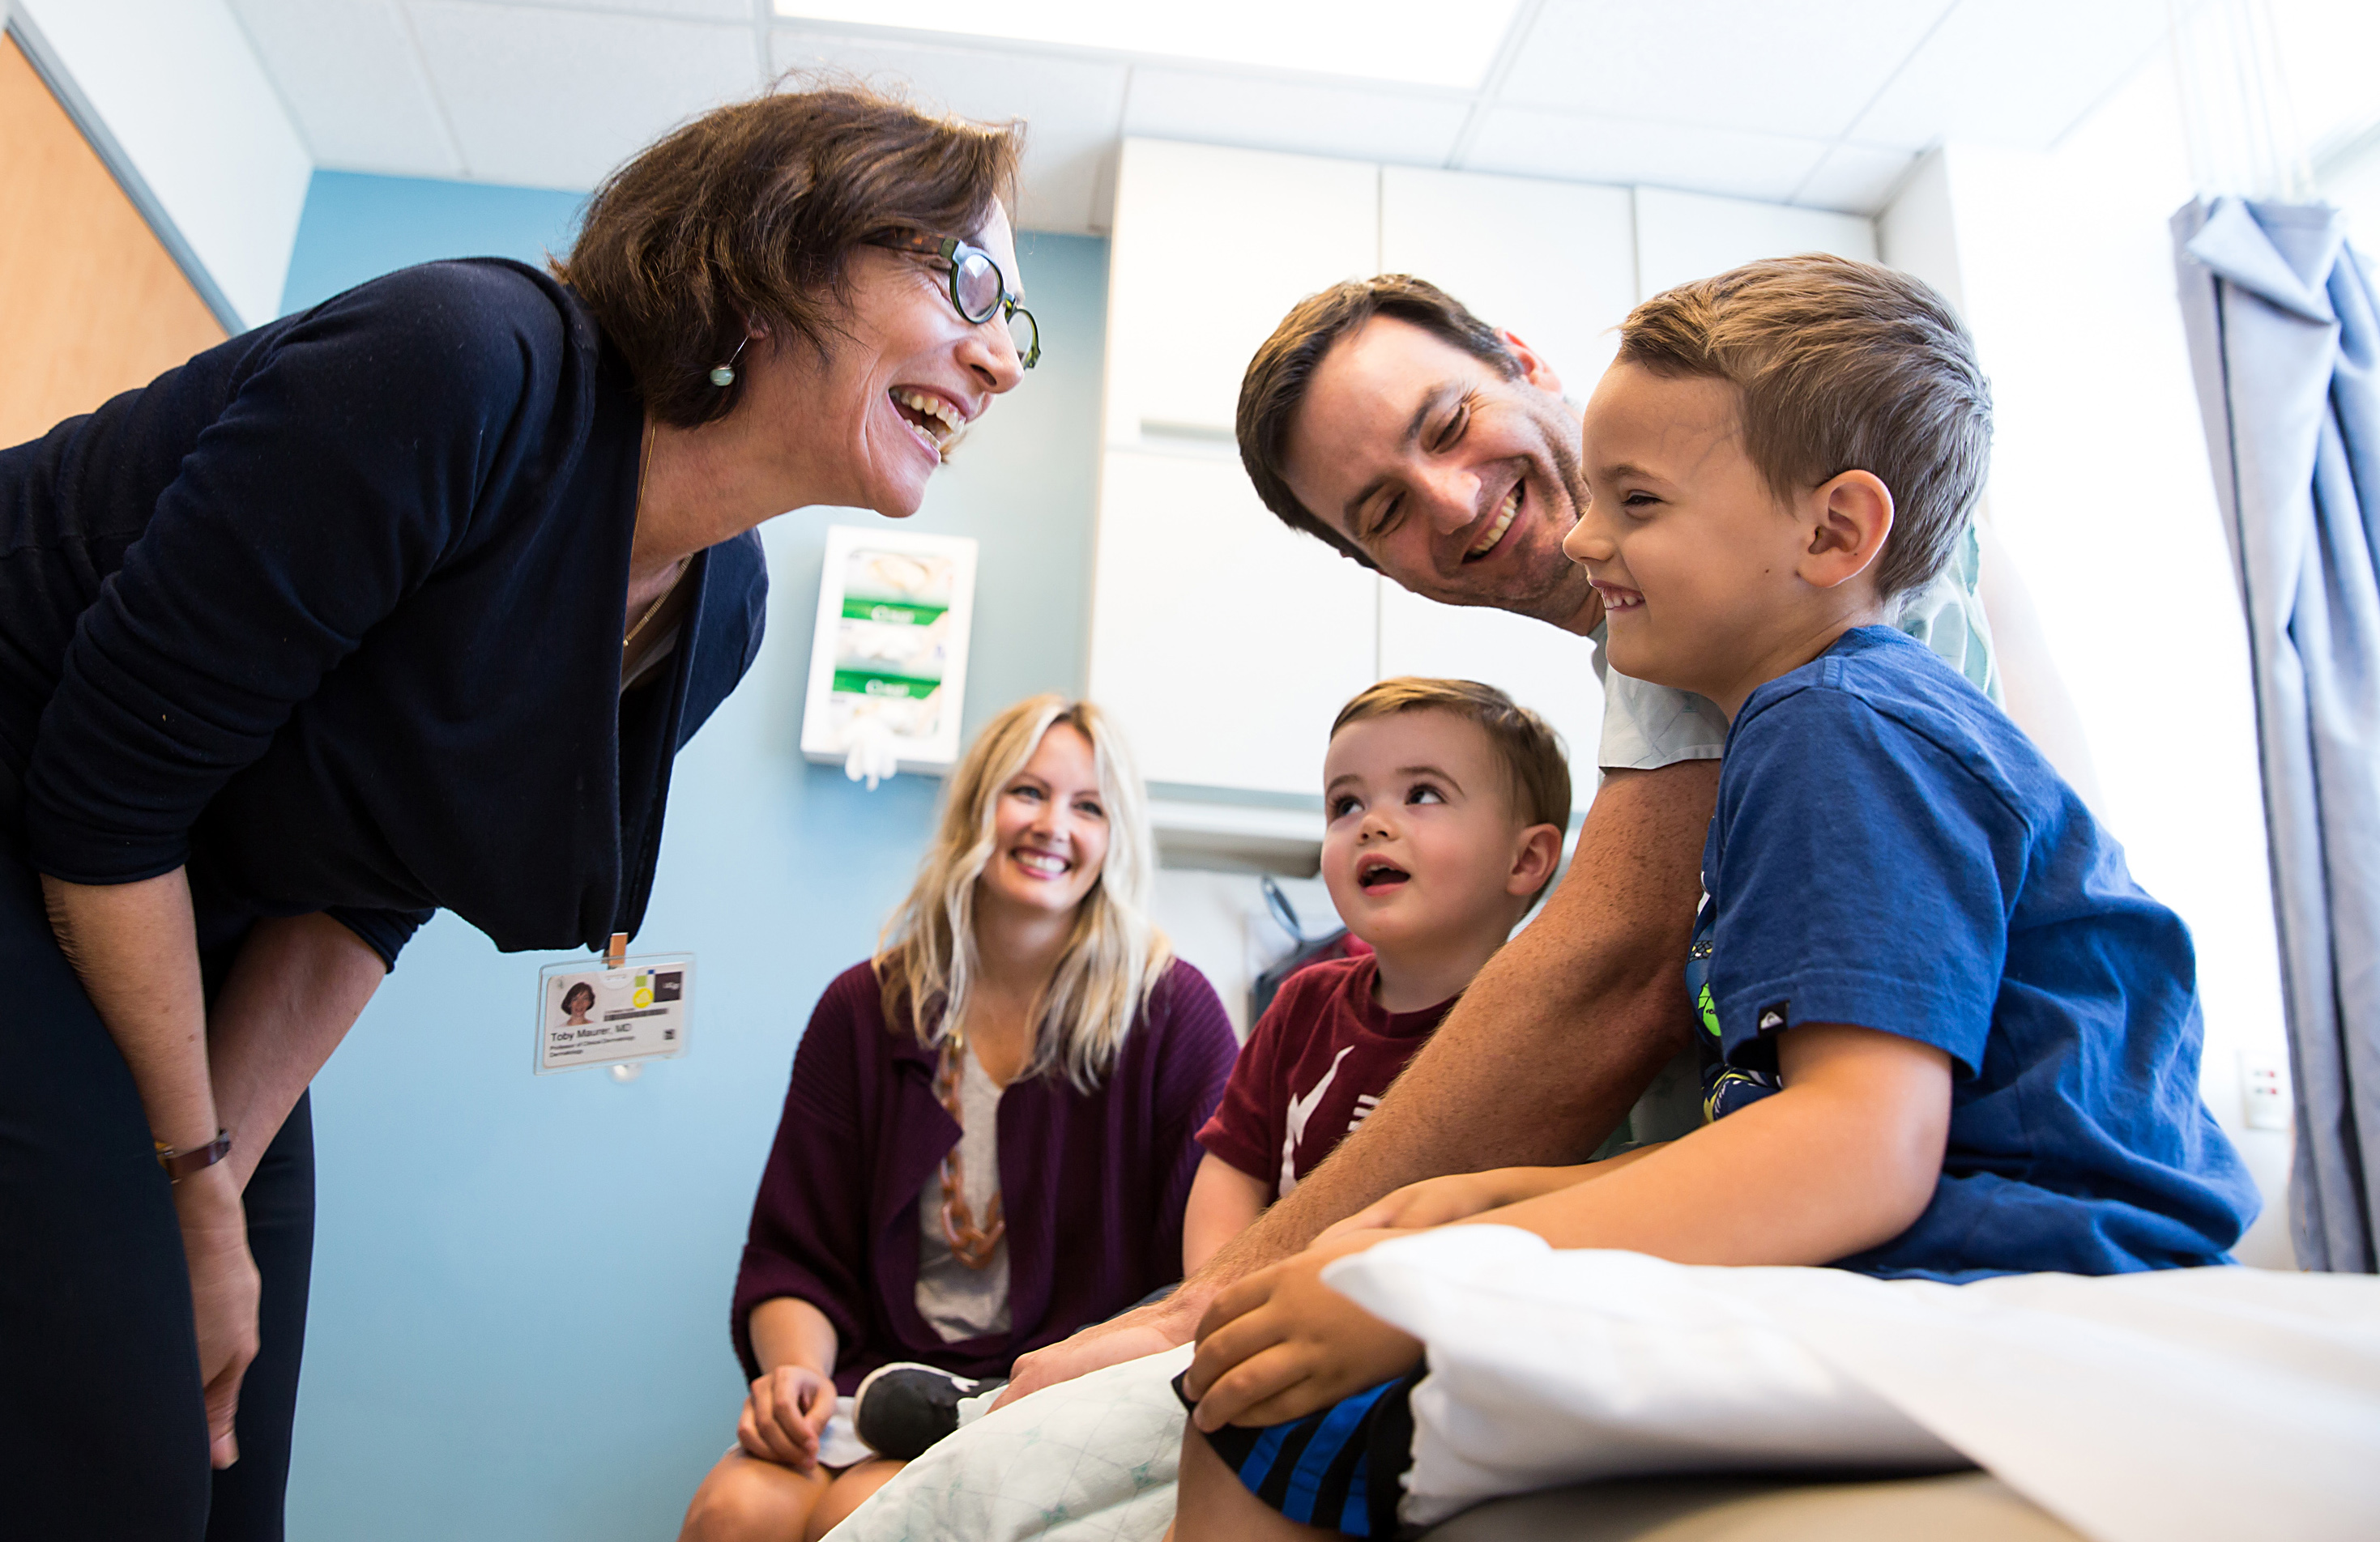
{"points": [[1275, 385]]}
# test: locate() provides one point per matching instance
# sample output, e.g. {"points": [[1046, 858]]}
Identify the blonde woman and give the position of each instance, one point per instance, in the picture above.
{"points": [[990, 1133]]}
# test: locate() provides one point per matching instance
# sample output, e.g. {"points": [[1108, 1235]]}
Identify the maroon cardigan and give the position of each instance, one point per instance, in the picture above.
{"points": [[1093, 1184]]}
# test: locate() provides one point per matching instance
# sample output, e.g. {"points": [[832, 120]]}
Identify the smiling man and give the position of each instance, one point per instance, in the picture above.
{"points": [[1385, 420]]}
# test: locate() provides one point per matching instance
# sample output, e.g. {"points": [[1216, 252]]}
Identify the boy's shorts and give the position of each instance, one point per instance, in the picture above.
{"points": [[1341, 1467]]}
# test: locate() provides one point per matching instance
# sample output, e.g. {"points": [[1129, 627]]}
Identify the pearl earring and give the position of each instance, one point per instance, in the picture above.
{"points": [[724, 375]]}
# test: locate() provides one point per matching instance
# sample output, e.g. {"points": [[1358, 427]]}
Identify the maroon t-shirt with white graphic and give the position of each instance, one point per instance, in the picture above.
{"points": [[1318, 1061]]}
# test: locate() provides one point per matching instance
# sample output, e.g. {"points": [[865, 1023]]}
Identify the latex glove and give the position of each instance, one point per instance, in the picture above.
{"points": [[871, 755]]}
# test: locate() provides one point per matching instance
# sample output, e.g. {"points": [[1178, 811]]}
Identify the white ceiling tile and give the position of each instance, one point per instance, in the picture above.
{"points": [[1681, 237], [2014, 73], [1855, 179], [1070, 107], [2325, 50], [700, 10], [349, 73], [1752, 64], [558, 99], [1423, 42], [1304, 117], [1582, 148]]}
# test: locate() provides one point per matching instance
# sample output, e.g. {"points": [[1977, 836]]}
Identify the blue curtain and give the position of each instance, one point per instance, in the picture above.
{"points": [[2284, 337]]}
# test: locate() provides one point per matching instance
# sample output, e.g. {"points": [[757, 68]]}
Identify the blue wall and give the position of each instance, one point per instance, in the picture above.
{"points": [[520, 1284]]}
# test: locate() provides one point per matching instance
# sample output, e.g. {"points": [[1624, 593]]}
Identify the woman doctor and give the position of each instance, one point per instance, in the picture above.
{"points": [[296, 648]]}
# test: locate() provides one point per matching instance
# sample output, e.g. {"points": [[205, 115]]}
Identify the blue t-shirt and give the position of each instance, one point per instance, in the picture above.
{"points": [[1891, 852]]}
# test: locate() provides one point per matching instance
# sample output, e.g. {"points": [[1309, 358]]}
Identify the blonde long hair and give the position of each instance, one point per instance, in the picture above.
{"points": [[926, 962]]}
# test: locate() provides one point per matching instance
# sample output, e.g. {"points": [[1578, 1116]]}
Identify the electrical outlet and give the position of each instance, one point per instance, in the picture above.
{"points": [[2264, 1091]]}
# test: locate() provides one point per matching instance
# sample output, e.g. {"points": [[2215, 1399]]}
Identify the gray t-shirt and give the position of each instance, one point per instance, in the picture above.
{"points": [[958, 1301]]}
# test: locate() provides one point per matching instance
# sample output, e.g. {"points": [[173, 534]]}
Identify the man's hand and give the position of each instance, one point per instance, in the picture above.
{"points": [[784, 1414], [1281, 1343], [1150, 1330]]}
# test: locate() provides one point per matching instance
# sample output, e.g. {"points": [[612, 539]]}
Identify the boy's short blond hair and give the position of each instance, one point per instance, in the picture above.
{"points": [[1536, 768], [1842, 366]]}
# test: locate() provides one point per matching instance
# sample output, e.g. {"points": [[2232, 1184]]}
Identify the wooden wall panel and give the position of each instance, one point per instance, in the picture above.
{"points": [[90, 303]]}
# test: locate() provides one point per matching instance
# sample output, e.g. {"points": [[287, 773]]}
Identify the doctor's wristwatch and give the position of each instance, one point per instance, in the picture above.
{"points": [[179, 1165]]}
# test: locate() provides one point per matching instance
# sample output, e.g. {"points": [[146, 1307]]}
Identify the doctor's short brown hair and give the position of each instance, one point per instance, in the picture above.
{"points": [[1839, 366], [752, 213]]}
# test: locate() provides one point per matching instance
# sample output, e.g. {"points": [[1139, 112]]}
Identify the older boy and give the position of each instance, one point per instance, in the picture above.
{"points": [[1943, 1032], [1446, 807]]}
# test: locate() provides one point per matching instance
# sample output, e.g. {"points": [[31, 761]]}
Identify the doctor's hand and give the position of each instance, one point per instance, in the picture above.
{"points": [[224, 1293], [784, 1414], [1281, 1343]]}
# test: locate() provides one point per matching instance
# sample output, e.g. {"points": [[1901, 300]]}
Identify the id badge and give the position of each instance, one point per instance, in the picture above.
{"points": [[612, 1011]]}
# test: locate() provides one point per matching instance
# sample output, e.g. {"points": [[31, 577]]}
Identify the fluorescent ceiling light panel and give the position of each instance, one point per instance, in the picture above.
{"points": [[1423, 41]]}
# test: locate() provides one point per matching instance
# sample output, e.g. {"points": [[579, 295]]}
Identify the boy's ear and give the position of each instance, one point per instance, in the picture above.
{"points": [[1533, 368], [1534, 859], [1850, 516]]}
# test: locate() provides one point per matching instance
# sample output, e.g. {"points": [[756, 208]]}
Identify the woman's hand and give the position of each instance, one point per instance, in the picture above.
{"points": [[135, 948], [1281, 1343], [224, 1289], [784, 1416]]}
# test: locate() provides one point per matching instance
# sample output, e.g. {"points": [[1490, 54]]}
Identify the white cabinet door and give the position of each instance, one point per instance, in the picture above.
{"points": [[1222, 641], [1555, 263], [1543, 668], [1210, 249], [1681, 237], [1552, 263]]}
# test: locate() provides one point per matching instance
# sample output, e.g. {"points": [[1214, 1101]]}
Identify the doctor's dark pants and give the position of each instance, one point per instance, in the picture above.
{"points": [[103, 1424]]}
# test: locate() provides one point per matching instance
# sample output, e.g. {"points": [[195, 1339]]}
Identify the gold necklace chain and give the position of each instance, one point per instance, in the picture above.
{"points": [[655, 608], [644, 468]]}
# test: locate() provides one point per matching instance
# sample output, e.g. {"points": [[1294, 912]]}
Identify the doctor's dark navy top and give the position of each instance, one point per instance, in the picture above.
{"points": [[1890, 851], [332, 615]]}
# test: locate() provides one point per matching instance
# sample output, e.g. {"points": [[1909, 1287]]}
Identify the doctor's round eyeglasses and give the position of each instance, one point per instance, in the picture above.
{"points": [[978, 287]]}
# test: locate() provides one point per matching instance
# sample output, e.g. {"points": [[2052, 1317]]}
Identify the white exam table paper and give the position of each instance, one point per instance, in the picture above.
{"points": [[2156, 1407], [2181, 1404]]}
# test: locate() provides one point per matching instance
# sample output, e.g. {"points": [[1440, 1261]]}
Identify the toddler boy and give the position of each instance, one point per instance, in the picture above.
{"points": [[1943, 1032], [1446, 804]]}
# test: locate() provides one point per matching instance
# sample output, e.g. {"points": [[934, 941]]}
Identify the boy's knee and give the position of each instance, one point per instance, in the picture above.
{"points": [[1210, 1502]]}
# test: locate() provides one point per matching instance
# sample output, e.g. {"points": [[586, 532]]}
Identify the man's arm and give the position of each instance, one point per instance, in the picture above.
{"points": [[1534, 1066], [1844, 1159]]}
